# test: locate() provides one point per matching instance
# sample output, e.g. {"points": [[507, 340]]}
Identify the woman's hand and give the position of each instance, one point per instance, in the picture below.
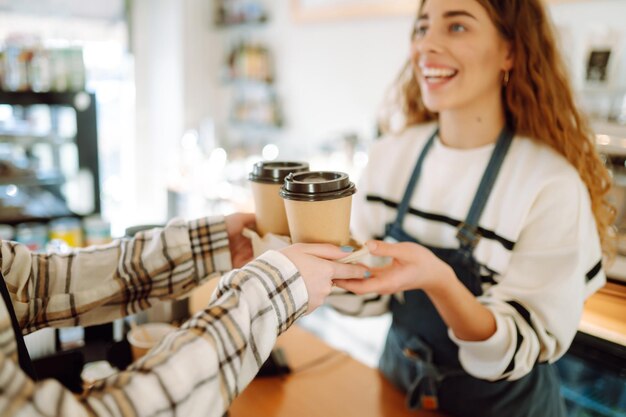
{"points": [[315, 264], [240, 246], [413, 267]]}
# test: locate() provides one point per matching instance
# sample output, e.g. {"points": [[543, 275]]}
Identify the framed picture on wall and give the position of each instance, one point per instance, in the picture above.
{"points": [[325, 10], [601, 59], [597, 68]]}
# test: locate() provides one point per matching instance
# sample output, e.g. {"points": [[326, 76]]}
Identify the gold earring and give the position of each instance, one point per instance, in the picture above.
{"points": [[506, 78]]}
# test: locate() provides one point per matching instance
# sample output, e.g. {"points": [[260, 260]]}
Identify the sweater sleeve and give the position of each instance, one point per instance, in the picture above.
{"points": [[99, 284], [538, 301], [195, 371]]}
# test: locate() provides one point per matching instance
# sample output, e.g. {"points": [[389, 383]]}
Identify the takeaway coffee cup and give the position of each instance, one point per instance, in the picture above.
{"points": [[318, 206], [144, 337], [266, 179]]}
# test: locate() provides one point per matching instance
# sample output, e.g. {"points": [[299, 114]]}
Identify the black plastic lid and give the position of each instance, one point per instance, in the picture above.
{"points": [[274, 172], [317, 186]]}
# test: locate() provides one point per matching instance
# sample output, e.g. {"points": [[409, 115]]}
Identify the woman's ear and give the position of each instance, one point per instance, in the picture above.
{"points": [[509, 58]]}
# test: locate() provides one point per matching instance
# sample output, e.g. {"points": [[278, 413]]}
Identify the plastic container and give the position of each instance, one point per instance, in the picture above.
{"points": [[33, 235], [67, 229], [97, 231], [7, 232]]}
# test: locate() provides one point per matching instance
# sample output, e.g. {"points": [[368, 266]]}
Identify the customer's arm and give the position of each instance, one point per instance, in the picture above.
{"points": [[199, 369], [101, 283]]}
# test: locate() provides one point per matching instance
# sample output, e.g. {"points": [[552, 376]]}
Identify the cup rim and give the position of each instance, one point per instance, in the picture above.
{"points": [[133, 341], [274, 172], [336, 186]]}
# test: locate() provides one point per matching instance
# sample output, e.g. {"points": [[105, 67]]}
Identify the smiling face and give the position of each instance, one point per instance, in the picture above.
{"points": [[458, 55]]}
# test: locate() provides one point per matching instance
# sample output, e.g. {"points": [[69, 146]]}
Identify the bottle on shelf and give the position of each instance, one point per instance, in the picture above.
{"points": [[250, 62], [238, 12], [27, 65], [256, 107]]}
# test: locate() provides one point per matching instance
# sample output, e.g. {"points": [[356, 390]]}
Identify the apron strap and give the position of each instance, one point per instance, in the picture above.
{"points": [[403, 208], [468, 234], [22, 352], [422, 392]]}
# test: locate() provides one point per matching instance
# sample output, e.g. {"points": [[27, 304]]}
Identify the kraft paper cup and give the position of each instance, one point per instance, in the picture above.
{"points": [[318, 205], [266, 179], [144, 337]]}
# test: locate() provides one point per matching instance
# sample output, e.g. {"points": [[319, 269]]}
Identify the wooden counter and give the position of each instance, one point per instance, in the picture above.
{"points": [[604, 315], [336, 385]]}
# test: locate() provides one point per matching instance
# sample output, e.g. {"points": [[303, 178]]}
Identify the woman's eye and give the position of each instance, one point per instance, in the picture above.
{"points": [[420, 31], [457, 27]]}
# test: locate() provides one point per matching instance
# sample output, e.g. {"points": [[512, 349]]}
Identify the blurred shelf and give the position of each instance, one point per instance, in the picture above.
{"points": [[252, 24], [254, 125], [246, 82], [44, 179], [16, 220], [28, 98], [29, 139], [248, 71], [84, 137]]}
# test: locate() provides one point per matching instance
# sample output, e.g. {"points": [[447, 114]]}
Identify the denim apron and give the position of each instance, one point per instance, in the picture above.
{"points": [[420, 358]]}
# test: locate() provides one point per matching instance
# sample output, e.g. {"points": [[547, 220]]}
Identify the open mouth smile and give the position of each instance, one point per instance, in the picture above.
{"points": [[437, 75]]}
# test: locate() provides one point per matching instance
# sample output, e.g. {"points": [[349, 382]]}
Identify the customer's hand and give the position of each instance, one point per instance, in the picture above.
{"points": [[240, 246], [316, 266], [413, 267]]}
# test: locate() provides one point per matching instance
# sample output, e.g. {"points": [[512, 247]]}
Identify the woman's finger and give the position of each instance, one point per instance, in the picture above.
{"points": [[323, 250], [400, 251], [362, 286], [341, 270]]}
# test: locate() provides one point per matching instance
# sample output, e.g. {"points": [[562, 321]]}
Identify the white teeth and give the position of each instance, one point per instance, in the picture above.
{"points": [[437, 72]]}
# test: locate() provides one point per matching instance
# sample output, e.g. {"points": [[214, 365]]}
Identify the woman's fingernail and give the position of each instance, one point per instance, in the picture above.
{"points": [[347, 249], [367, 274]]}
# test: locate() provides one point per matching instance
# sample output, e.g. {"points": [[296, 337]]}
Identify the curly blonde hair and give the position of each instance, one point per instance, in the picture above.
{"points": [[538, 101]]}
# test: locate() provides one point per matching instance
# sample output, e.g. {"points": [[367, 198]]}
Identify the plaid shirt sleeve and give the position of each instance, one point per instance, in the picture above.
{"points": [[194, 371], [99, 284]]}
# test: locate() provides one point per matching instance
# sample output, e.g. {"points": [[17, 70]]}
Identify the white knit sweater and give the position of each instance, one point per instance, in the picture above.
{"points": [[540, 253]]}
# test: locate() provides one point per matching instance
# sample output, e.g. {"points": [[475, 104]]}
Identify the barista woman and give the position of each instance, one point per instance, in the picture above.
{"points": [[497, 196]]}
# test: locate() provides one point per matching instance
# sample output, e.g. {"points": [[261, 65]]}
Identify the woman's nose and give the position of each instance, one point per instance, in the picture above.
{"points": [[428, 42]]}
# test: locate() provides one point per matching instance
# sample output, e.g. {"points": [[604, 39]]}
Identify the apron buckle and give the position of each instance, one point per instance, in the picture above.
{"points": [[428, 397], [467, 235], [411, 354], [429, 402]]}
